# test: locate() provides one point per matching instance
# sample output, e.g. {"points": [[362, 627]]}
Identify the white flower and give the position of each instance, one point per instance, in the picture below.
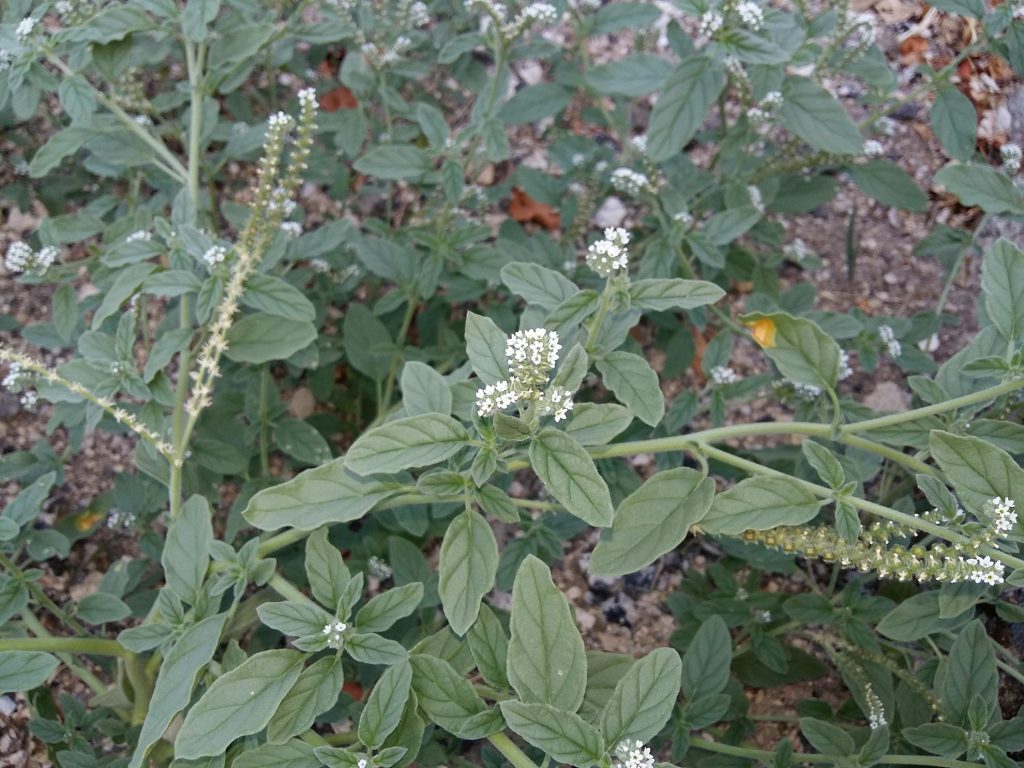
{"points": [[46, 257], [362, 763], [320, 266], [557, 401], [6, 59], [215, 255], [845, 370], [378, 568], [756, 199], [532, 354], [723, 374], [334, 631], [876, 709], [118, 519], [1002, 511], [28, 398], [804, 391], [280, 120], [764, 617], [144, 120], [418, 14], [685, 218], [771, 100], [633, 755], [629, 181], [139, 235], [610, 254], [64, 7], [751, 13], [542, 13], [985, 570], [887, 126], [307, 97], [21, 258], [640, 143], [873, 148], [892, 345], [757, 116], [25, 28], [797, 250], [291, 228], [735, 67], [239, 128], [1011, 154], [710, 22]]}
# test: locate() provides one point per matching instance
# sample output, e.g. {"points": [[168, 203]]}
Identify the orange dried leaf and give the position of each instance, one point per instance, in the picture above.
{"points": [[912, 50], [523, 208]]}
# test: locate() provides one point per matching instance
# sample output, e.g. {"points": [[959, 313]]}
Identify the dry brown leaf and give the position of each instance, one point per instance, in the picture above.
{"points": [[340, 98], [524, 208], [913, 50]]}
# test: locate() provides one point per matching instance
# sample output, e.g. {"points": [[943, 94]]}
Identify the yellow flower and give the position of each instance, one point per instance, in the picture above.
{"points": [[763, 331], [86, 520]]}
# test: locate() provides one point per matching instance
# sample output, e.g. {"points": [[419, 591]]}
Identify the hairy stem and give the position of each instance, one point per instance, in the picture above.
{"points": [[512, 753], [91, 645]]}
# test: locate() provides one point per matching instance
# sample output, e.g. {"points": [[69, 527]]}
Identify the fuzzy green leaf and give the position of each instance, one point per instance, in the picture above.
{"points": [[468, 564], [760, 503], [569, 474], [566, 736], [633, 381], [415, 441]]}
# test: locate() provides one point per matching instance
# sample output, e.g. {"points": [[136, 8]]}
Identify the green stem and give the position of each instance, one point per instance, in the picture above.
{"points": [[92, 645], [142, 687], [929, 761], [265, 421], [512, 753], [594, 326], [287, 590], [341, 739], [36, 627], [396, 358], [867, 506]]}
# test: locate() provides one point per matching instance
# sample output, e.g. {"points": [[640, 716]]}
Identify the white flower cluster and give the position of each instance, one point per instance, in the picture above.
{"points": [[985, 570], [18, 381], [21, 258], [215, 254], [320, 266], [723, 374], [6, 59], [873, 148], [139, 236], [378, 568], [876, 709], [710, 22], [765, 108], [64, 7], [531, 356], [892, 345], [751, 13], [756, 199], [736, 70], [334, 631], [685, 218], [1011, 154], [630, 182], [797, 250], [280, 120], [291, 228], [538, 13], [419, 16], [25, 28], [381, 57], [307, 98], [640, 143], [633, 755], [804, 391], [118, 520], [1003, 517], [610, 254], [845, 369]]}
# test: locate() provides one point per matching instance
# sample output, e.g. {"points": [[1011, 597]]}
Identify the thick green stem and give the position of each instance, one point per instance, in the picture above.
{"points": [[36, 627], [287, 590], [265, 421], [512, 753], [92, 645], [142, 687]]}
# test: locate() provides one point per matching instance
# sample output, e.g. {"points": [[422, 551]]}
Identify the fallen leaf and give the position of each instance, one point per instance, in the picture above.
{"points": [[340, 98], [912, 50], [697, 364], [524, 208]]}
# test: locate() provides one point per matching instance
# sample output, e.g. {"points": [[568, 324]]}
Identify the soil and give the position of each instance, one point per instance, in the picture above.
{"points": [[890, 280]]}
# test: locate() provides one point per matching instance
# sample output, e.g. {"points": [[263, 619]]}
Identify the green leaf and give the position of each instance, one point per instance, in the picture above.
{"points": [[77, 97], [325, 569], [569, 474], [889, 184], [383, 709], [327, 494], [706, 663], [125, 284], [293, 754], [565, 736], [415, 441], [539, 285], [978, 470], [968, 671], [758, 504], [58, 146], [424, 390], [682, 105], [394, 161], [622, 15], [371, 648], [274, 296], [260, 338], [635, 75], [827, 738], [981, 185], [546, 660], [112, 23], [644, 698], [954, 123], [485, 347], [813, 114], [972, 8], [597, 423], [21, 671], [1002, 281], [489, 646], [535, 102], [824, 462], [368, 344], [938, 738], [447, 697], [468, 564], [633, 381], [315, 692], [383, 610], [652, 520], [177, 677], [294, 618], [802, 351], [196, 17], [238, 703], [663, 295], [185, 557], [100, 607], [914, 618], [302, 441]]}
